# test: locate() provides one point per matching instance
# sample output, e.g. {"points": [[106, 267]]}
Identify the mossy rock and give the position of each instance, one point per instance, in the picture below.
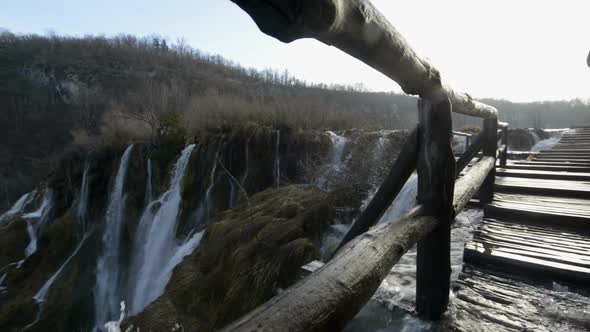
{"points": [[17, 308], [520, 140], [243, 259], [13, 240]]}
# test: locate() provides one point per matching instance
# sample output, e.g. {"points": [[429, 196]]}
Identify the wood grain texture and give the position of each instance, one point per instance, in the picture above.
{"points": [[359, 29]]}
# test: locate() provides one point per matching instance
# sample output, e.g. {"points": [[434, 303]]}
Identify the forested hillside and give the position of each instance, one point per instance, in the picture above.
{"points": [[59, 93]]}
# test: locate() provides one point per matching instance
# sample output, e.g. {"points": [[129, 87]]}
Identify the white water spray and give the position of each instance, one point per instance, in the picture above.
{"points": [[42, 293], [81, 211], [16, 208], [335, 164], [149, 195], [157, 249], [547, 144], [108, 274], [35, 224], [405, 200]]}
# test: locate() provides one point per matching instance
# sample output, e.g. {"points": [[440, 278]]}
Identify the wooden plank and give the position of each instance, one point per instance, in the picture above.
{"points": [[547, 162], [544, 187], [571, 159], [549, 253], [491, 301], [532, 215], [539, 174], [542, 167], [566, 151]]}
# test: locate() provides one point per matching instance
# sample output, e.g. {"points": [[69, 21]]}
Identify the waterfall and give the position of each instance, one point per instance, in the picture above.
{"points": [[149, 195], [2, 287], [32, 246], [277, 163], [536, 138], [246, 163], [237, 187], [106, 294], [16, 208], [202, 213], [548, 143], [335, 165], [35, 223], [42, 293], [156, 246], [83, 200], [405, 200]]}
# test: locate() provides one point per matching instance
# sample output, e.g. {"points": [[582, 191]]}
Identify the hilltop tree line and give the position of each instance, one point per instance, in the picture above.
{"points": [[57, 92]]}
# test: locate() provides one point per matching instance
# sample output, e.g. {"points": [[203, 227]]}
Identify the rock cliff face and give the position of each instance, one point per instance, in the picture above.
{"points": [[245, 208]]}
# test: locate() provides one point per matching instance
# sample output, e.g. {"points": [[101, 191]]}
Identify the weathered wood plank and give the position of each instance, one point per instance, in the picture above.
{"points": [[548, 253], [543, 162], [560, 188], [539, 174], [556, 168]]}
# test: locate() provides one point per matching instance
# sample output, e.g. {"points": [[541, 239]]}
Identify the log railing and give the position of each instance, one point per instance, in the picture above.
{"points": [[334, 293]]}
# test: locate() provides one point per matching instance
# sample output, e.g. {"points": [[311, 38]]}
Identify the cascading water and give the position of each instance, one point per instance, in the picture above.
{"points": [[156, 246], [277, 163], [83, 200], [202, 213], [149, 195], [335, 164], [16, 208], [42, 293], [536, 137], [234, 196], [36, 222], [108, 274], [548, 143], [404, 201]]}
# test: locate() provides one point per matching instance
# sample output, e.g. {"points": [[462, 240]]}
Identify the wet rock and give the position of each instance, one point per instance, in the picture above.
{"points": [[17, 307], [13, 241], [520, 140], [244, 257]]}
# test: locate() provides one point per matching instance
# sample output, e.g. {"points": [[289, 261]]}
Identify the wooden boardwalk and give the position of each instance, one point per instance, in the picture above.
{"points": [[334, 293], [536, 228]]}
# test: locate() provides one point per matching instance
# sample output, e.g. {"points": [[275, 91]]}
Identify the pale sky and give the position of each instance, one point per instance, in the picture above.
{"points": [[521, 50]]}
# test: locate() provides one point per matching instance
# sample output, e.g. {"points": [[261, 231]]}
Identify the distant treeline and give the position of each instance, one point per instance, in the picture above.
{"points": [[57, 92]]}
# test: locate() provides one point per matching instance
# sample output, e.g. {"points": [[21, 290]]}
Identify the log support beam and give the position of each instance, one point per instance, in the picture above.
{"points": [[436, 181], [490, 146], [504, 155]]}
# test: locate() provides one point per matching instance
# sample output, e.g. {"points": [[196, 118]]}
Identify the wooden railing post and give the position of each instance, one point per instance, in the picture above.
{"points": [[490, 146], [504, 154], [436, 180]]}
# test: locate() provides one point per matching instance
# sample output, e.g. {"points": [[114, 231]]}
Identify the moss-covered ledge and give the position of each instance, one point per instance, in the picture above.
{"points": [[244, 258]]}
